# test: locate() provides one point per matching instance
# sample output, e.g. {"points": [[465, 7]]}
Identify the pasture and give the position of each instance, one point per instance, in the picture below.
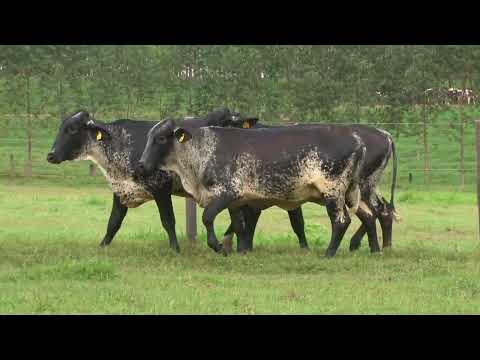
{"points": [[53, 217], [50, 262]]}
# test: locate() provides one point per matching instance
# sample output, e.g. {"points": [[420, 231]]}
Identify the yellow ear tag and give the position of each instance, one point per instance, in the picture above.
{"points": [[181, 138], [246, 125], [99, 136]]}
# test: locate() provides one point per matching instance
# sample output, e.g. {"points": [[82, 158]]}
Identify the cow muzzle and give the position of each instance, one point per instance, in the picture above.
{"points": [[52, 158]]}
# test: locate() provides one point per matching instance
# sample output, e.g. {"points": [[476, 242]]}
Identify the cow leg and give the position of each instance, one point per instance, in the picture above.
{"points": [[208, 218], [368, 222], [298, 226], [357, 238], [251, 217], [116, 218], [385, 217], [240, 228], [340, 221], [165, 208]]}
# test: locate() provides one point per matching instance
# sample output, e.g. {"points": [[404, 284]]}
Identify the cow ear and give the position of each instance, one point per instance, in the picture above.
{"points": [[100, 131], [182, 135], [247, 123]]}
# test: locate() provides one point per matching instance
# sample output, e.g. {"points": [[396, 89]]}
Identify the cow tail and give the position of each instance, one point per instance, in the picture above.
{"points": [[395, 215]]}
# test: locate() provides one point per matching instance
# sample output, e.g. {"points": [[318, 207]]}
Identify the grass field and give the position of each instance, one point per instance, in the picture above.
{"points": [[50, 262], [51, 225]]}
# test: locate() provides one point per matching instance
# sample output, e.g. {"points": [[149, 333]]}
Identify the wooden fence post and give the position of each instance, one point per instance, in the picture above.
{"points": [[477, 123], [93, 170], [28, 163], [426, 165], [191, 219], [12, 167], [462, 149]]}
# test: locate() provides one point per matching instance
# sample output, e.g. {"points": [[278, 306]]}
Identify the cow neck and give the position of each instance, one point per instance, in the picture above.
{"points": [[190, 160], [112, 156]]}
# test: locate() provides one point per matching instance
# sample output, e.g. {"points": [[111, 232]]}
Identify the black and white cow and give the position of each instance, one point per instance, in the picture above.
{"points": [[252, 214], [116, 147], [286, 166], [379, 148]]}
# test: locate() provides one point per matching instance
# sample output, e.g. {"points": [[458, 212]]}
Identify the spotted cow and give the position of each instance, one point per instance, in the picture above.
{"points": [[380, 147], [227, 168], [115, 147]]}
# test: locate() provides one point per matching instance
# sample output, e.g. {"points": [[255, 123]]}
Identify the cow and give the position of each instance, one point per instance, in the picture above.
{"points": [[226, 168], [379, 148], [115, 147], [252, 214]]}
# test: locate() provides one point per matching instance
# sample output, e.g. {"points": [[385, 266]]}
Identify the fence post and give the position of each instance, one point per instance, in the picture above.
{"points": [[426, 166], [191, 219], [28, 162], [12, 167], [462, 150], [93, 170], [477, 123]]}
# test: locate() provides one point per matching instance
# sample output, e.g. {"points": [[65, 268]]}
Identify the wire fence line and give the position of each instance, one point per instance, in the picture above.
{"points": [[412, 153]]}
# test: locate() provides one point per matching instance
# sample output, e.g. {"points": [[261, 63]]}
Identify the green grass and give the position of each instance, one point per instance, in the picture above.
{"points": [[51, 225], [50, 262]]}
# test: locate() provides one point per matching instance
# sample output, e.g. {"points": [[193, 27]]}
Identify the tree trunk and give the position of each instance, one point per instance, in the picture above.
{"points": [[28, 163], [128, 107], [417, 148], [462, 134], [462, 150], [62, 112], [12, 167], [92, 170], [426, 177]]}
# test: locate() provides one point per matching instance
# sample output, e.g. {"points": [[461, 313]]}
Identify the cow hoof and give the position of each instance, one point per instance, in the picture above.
{"points": [[354, 247], [219, 248], [330, 253], [175, 248], [103, 244]]}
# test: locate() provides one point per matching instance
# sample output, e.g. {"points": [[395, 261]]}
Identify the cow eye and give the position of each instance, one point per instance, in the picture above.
{"points": [[161, 140]]}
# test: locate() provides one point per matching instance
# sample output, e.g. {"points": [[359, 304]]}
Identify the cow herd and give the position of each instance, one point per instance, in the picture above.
{"points": [[227, 161]]}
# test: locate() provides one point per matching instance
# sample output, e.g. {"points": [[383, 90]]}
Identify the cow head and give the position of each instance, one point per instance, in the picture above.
{"points": [[221, 117], [161, 141], [74, 136], [225, 118]]}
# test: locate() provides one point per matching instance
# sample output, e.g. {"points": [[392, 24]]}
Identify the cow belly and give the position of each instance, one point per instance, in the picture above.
{"points": [[261, 200], [130, 193]]}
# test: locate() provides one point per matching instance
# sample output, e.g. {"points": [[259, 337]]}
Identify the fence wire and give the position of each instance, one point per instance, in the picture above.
{"points": [[410, 149]]}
